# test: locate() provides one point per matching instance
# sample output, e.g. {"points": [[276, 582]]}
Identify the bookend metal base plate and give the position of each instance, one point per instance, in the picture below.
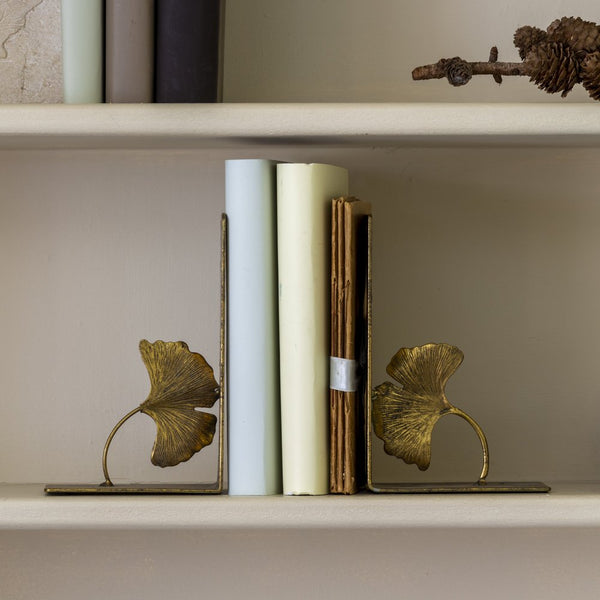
{"points": [[132, 488], [491, 487]]}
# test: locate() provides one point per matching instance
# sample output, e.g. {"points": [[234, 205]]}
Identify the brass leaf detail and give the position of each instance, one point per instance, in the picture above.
{"points": [[181, 381], [404, 417]]}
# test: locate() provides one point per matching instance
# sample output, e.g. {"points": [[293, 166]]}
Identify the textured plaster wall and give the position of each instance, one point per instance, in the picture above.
{"points": [[30, 51]]}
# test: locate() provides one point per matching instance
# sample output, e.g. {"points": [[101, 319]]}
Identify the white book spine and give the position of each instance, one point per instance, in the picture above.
{"points": [[304, 193], [253, 347], [83, 50]]}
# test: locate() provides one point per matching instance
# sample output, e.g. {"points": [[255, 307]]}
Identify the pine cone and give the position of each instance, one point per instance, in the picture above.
{"points": [[590, 74], [458, 71], [581, 36], [527, 37], [553, 67]]}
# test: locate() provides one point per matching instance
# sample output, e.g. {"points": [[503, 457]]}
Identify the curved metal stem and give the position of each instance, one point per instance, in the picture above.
{"points": [[482, 439], [107, 481]]}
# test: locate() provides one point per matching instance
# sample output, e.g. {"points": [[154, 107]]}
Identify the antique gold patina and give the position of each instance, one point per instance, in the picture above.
{"points": [[181, 383], [404, 417]]}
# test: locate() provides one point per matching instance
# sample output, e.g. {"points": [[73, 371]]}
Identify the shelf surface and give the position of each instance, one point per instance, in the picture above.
{"points": [[568, 505], [242, 125]]}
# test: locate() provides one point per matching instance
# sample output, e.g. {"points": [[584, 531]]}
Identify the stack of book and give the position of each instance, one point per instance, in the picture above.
{"points": [[142, 50], [297, 282]]}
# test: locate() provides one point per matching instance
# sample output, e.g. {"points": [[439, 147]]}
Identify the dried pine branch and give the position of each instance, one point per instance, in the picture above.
{"points": [[567, 53]]}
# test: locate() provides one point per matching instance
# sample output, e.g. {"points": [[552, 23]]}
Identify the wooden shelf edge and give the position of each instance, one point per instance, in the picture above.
{"points": [[241, 125], [26, 507]]}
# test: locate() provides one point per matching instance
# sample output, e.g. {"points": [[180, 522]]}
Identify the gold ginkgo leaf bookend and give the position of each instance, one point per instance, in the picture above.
{"points": [[182, 389], [181, 384], [403, 417]]}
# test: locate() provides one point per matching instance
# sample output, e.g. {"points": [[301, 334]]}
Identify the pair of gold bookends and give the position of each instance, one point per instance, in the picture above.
{"points": [[403, 417]]}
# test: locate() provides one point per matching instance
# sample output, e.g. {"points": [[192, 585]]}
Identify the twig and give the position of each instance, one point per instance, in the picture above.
{"points": [[459, 71]]}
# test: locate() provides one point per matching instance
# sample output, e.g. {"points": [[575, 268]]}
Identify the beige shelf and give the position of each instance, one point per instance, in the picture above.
{"points": [[240, 125], [567, 505]]}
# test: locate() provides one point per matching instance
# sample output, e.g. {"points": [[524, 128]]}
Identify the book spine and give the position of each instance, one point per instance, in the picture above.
{"points": [[304, 194], [342, 476], [188, 37], [129, 50], [83, 50], [253, 349], [348, 329]]}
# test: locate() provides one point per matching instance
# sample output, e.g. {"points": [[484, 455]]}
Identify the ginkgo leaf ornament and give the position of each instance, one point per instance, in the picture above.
{"points": [[181, 382], [404, 417]]}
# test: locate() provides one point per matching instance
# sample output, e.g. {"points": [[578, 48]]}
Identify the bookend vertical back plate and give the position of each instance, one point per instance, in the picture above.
{"points": [[174, 488]]}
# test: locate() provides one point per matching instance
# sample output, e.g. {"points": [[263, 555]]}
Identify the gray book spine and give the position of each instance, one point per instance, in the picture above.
{"points": [[129, 50]]}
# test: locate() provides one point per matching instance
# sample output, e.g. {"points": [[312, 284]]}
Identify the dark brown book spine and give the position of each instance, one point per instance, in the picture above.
{"points": [[188, 37]]}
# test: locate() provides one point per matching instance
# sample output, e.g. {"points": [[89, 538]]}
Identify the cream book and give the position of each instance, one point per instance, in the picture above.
{"points": [[304, 195]]}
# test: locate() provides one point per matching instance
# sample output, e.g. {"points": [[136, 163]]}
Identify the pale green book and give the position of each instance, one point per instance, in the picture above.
{"points": [[83, 51]]}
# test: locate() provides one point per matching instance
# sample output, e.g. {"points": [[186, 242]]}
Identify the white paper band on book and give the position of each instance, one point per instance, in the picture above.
{"points": [[343, 374]]}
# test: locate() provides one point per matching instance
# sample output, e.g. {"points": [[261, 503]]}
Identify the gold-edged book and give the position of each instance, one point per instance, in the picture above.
{"points": [[349, 333]]}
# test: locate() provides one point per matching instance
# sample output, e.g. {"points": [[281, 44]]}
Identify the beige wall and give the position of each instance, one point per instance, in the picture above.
{"points": [[491, 249], [358, 51]]}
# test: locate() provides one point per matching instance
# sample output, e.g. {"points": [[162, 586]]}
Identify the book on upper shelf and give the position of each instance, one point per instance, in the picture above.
{"points": [[189, 36], [129, 50], [83, 50], [349, 246], [304, 194], [253, 346]]}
